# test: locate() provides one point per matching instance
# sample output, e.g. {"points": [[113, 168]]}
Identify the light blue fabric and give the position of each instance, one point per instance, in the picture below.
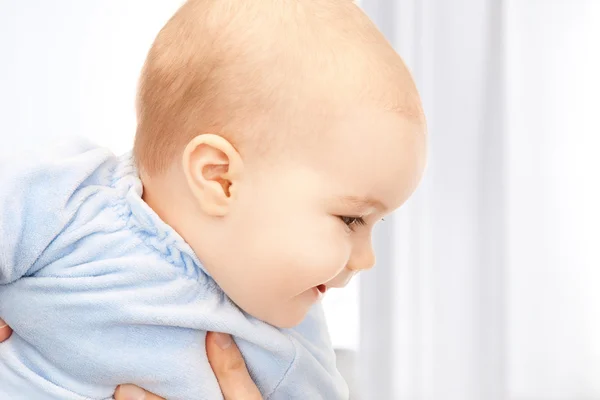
{"points": [[100, 292]]}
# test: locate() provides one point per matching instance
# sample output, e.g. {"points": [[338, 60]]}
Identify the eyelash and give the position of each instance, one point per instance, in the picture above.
{"points": [[351, 221]]}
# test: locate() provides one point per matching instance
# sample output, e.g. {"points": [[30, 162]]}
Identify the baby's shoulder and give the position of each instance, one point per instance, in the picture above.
{"points": [[41, 192]]}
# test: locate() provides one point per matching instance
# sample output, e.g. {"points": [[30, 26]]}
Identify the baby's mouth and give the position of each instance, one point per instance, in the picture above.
{"points": [[322, 288]]}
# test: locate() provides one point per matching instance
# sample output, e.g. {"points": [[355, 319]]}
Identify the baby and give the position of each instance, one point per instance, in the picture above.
{"points": [[272, 136]]}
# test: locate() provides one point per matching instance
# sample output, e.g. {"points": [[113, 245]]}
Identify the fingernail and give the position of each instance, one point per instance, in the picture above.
{"points": [[2, 324], [222, 340], [130, 392]]}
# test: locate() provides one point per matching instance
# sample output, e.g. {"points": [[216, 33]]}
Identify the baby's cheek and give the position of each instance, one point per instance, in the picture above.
{"points": [[325, 258]]}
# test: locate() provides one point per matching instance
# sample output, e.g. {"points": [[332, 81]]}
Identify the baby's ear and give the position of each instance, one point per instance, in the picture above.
{"points": [[212, 167]]}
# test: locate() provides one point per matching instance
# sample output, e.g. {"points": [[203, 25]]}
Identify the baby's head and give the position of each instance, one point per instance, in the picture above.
{"points": [[273, 135]]}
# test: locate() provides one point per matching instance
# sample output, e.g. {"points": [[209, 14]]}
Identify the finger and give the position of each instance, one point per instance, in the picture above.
{"points": [[5, 331], [131, 392], [230, 369]]}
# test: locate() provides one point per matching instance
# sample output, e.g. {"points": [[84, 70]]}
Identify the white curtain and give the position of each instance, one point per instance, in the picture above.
{"points": [[487, 284]]}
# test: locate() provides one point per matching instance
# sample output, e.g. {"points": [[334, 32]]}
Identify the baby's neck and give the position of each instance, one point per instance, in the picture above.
{"points": [[166, 197]]}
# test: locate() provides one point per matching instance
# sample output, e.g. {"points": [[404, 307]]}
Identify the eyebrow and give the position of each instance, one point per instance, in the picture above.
{"points": [[362, 202]]}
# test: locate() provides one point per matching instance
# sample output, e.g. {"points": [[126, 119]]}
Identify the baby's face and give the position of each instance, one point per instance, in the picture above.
{"points": [[304, 226]]}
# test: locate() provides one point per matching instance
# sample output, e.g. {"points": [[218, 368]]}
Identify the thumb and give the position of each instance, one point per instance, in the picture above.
{"points": [[5, 331], [229, 367]]}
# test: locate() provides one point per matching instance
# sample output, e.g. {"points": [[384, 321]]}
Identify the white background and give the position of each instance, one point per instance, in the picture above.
{"points": [[488, 283]]}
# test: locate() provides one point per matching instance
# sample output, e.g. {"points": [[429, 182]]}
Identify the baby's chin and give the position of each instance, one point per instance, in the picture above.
{"points": [[285, 322], [285, 316]]}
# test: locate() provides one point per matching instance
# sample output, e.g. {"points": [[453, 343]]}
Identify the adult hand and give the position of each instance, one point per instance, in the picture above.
{"points": [[5, 331], [228, 365]]}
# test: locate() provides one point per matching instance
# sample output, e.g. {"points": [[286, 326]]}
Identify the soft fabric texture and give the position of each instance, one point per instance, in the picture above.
{"points": [[100, 291]]}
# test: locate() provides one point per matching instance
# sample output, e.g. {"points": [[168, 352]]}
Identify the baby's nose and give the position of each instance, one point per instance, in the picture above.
{"points": [[362, 260]]}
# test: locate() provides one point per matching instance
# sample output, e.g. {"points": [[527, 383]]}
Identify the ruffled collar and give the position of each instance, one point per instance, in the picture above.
{"points": [[155, 232]]}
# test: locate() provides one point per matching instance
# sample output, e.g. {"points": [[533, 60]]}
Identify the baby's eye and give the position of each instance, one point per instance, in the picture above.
{"points": [[352, 221]]}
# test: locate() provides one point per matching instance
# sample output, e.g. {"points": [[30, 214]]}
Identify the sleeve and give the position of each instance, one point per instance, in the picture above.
{"points": [[38, 198]]}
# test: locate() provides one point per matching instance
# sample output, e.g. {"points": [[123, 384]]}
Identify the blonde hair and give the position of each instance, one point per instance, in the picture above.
{"points": [[251, 70]]}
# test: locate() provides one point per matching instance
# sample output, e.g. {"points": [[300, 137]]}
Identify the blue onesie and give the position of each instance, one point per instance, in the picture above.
{"points": [[100, 291]]}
